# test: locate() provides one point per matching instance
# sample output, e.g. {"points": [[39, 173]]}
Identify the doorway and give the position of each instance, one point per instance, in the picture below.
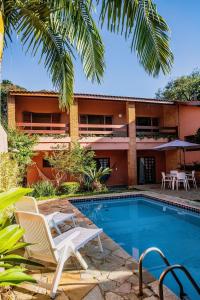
{"points": [[146, 169]]}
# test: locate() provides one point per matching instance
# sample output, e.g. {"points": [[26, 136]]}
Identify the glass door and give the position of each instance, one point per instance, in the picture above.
{"points": [[146, 168]]}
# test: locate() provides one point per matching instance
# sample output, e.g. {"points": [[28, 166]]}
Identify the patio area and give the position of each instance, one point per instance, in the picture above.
{"points": [[111, 275], [191, 195]]}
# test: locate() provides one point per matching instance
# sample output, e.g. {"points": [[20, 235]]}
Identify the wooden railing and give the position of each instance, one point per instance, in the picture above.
{"points": [[156, 131], [103, 130], [43, 128]]}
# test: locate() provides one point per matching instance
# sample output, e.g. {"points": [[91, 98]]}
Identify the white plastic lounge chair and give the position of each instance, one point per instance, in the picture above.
{"points": [[29, 204], [56, 250]]}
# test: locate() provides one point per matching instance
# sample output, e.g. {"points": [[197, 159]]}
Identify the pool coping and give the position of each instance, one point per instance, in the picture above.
{"points": [[168, 199]]}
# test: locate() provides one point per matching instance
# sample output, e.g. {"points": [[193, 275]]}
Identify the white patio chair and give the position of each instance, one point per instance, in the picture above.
{"points": [[166, 179], [182, 178], [191, 177], [173, 172], [29, 204], [56, 250]]}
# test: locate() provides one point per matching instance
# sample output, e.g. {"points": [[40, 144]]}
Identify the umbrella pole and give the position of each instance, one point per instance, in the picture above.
{"points": [[184, 158]]}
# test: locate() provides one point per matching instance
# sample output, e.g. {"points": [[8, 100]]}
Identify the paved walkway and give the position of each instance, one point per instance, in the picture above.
{"points": [[112, 275], [192, 194]]}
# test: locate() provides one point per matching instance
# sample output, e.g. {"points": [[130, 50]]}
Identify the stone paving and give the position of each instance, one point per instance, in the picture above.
{"points": [[112, 275], [192, 194]]}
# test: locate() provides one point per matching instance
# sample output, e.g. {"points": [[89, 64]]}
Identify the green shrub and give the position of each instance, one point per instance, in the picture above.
{"points": [[43, 189], [9, 172], [69, 187]]}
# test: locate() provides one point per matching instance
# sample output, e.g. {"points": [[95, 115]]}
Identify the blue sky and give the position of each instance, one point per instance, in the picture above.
{"points": [[124, 75]]}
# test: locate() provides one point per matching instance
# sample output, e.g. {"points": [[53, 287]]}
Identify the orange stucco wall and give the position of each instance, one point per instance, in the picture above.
{"points": [[118, 162], [104, 108], [189, 123], [39, 105], [166, 113], [32, 173], [149, 110]]}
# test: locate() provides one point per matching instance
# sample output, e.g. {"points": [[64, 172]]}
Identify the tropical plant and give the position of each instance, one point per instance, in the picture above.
{"points": [[9, 172], [5, 87], [140, 22], [10, 235], [20, 146], [43, 189], [69, 187], [55, 29], [95, 178], [73, 161], [184, 88]]}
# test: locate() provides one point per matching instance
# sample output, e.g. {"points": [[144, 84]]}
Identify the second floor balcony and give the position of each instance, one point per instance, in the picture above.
{"points": [[103, 130], [156, 132], [43, 128]]}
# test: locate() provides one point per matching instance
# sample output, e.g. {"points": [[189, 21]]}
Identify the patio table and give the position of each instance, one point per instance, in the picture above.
{"points": [[174, 177]]}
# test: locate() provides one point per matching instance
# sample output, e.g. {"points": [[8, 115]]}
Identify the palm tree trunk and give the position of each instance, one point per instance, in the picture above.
{"points": [[1, 52]]}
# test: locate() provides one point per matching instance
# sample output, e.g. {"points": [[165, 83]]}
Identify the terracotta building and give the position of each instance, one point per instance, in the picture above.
{"points": [[121, 130]]}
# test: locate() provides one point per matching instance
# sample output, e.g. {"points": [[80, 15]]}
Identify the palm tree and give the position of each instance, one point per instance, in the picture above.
{"points": [[57, 30]]}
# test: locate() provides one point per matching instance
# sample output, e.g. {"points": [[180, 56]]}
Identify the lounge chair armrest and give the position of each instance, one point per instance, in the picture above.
{"points": [[67, 240], [51, 216]]}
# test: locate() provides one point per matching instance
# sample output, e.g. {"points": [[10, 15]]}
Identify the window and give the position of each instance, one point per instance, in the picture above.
{"points": [[142, 122], [41, 117], [30, 117], [103, 162], [96, 120], [46, 163]]}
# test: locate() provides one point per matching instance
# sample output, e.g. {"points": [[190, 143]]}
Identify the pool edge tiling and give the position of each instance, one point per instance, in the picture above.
{"points": [[170, 200]]}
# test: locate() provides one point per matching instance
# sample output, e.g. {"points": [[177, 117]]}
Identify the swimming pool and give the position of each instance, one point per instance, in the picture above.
{"points": [[139, 222]]}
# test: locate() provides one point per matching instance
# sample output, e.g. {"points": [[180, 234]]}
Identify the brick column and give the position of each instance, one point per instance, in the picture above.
{"points": [[11, 112], [132, 156], [73, 121]]}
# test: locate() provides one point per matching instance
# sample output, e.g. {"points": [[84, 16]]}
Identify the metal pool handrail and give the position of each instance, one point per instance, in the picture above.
{"points": [[171, 269], [140, 267]]}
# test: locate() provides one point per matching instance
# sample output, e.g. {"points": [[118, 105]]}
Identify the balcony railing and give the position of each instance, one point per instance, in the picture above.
{"points": [[156, 131], [103, 130], [43, 128]]}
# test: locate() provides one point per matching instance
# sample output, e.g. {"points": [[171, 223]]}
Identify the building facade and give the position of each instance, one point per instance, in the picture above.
{"points": [[122, 131]]}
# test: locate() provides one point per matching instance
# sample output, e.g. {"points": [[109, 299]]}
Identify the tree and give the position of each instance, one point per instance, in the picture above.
{"points": [[6, 86], [56, 30], [184, 88], [74, 161], [20, 147]]}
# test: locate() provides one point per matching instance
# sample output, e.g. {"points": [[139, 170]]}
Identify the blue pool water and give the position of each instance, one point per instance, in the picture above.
{"points": [[140, 222]]}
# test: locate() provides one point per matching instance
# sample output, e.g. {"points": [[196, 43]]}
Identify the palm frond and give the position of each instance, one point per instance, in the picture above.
{"points": [[74, 20], [139, 21], [35, 29]]}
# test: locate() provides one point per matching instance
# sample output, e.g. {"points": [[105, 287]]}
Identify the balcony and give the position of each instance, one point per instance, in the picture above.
{"points": [[103, 130], [148, 137], [43, 128], [104, 136], [156, 132]]}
